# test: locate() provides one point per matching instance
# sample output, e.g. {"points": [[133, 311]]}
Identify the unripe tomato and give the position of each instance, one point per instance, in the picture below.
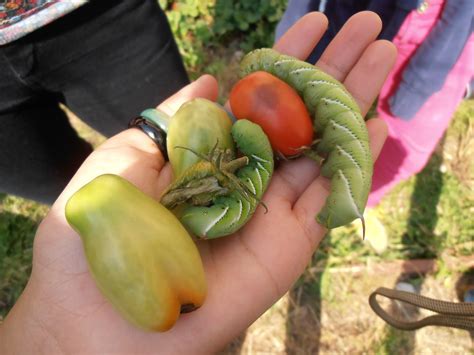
{"points": [[274, 105], [141, 257], [199, 125]]}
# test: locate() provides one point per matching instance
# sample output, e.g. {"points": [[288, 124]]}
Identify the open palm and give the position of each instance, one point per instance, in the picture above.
{"points": [[61, 310]]}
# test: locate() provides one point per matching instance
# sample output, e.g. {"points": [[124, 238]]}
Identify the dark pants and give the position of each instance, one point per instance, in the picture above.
{"points": [[106, 61]]}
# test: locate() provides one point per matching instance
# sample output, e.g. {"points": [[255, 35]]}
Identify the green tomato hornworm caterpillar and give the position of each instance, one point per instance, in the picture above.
{"points": [[338, 123], [231, 211]]}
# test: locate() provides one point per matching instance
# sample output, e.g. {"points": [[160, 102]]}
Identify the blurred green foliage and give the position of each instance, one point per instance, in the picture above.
{"points": [[19, 219], [200, 25]]}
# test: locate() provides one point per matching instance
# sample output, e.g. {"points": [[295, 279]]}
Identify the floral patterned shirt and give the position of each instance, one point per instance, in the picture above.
{"points": [[20, 17]]}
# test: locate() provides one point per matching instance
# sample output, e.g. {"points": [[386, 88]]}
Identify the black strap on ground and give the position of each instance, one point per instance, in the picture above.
{"points": [[450, 314]]}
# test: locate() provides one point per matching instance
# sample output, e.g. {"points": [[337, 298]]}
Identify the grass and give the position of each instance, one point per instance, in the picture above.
{"points": [[427, 216], [19, 219]]}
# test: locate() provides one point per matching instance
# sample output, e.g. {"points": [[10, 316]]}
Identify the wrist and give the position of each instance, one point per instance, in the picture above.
{"points": [[21, 333]]}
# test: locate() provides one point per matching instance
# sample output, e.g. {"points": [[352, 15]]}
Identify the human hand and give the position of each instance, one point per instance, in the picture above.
{"points": [[61, 309]]}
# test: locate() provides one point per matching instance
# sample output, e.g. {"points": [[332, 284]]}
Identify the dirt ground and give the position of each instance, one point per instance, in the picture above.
{"points": [[340, 321]]}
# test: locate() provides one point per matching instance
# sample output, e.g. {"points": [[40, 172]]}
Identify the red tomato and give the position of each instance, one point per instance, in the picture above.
{"points": [[274, 105]]}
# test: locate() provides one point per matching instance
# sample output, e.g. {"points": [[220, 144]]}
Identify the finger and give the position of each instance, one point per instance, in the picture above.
{"points": [[350, 42], [378, 132], [314, 197], [368, 75], [205, 87], [310, 28], [131, 153]]}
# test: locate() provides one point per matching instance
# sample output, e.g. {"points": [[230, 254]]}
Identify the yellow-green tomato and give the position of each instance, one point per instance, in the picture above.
{"points": [[199, 125], [141, 257]]}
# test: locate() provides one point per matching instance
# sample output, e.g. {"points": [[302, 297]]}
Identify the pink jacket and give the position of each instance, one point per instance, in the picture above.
{"points": [[411, 143]]}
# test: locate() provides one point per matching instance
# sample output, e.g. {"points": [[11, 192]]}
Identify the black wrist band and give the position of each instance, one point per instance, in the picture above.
{"points": [[153, 131]]}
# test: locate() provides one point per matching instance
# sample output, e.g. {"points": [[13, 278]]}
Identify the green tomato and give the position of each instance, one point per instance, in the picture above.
{"points": [[198, 125], [141, 257]]}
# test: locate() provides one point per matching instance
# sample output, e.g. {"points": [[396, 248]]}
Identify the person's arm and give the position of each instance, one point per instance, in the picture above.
{"points": [[62, 310]]}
